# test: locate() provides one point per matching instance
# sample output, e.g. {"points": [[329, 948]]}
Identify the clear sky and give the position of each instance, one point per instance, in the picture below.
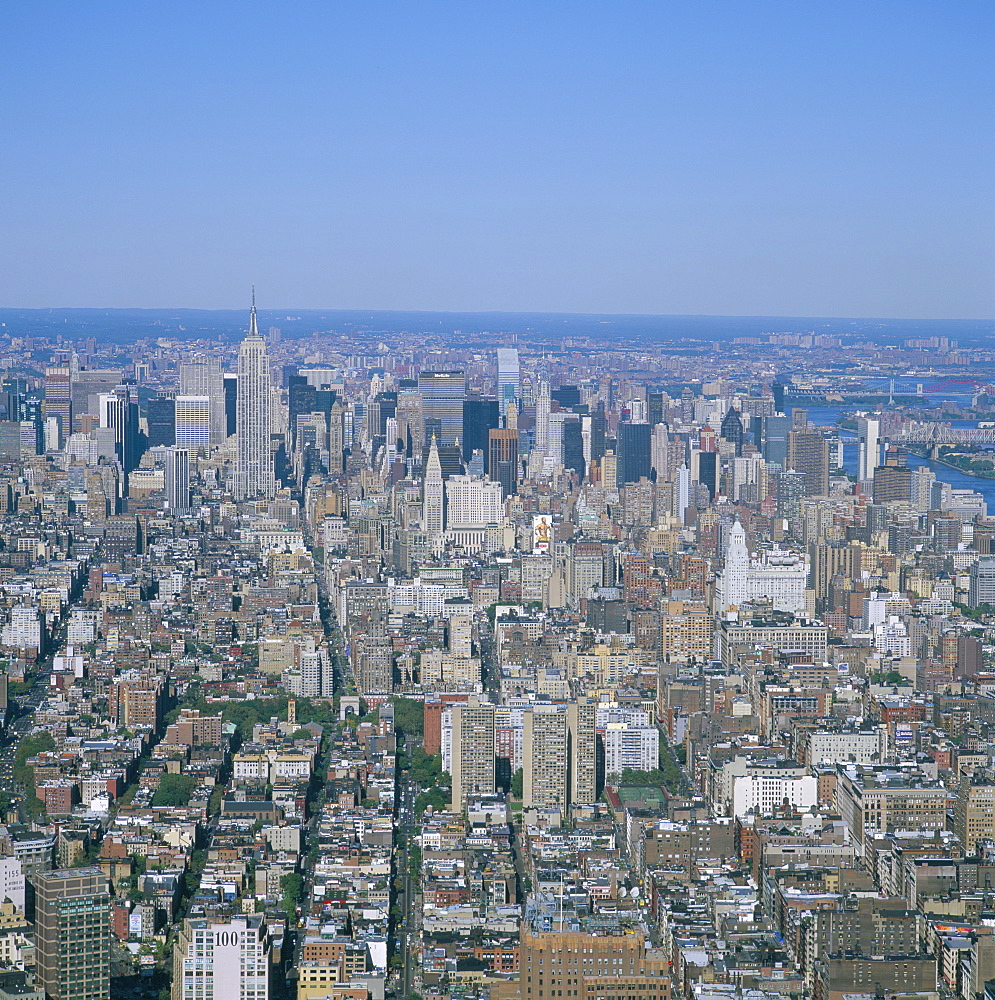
{"points": [[825, 157]]}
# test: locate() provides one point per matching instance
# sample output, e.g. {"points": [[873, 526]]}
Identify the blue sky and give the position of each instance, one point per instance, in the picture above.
{"points": [[814, 158]]}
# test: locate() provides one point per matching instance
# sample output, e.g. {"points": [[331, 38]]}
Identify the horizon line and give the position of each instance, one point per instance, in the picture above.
{"points": [[505, 312]]}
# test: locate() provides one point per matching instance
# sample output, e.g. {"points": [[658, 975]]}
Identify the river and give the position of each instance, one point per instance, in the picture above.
{"points": [[825, 416]]}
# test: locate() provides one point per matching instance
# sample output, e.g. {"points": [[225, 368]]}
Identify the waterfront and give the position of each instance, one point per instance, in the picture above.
{"points": [[826, 416]]}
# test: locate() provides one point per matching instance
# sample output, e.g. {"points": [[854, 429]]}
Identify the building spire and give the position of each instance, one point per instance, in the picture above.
{"points": [[253, 326]]}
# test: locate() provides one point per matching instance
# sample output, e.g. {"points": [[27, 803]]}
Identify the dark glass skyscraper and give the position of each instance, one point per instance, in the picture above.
{"points": [[503, 458], [300, 399], [634, 460], [707, 471], [161, 417], [480, 416], [573, 446], [231, 402], [731, 430], [599, 431], [774, 443]]}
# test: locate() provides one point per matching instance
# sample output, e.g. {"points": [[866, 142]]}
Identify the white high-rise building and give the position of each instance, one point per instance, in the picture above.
{"points": [[177, 475], [433, 493], [631, 748], [12, 881], [472, 502], [737, 565], [254, 475], [193, 424], [509, 380], [683, 492], [542, 420], [222, 960], [202, 376], [24, 628], [868, 429], [778, 577]]}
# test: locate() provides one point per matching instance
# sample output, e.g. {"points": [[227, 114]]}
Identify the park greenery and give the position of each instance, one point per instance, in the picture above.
{"points": [[969, 458], [425, 770], [24, 774], [292, 886], [409, 716], [174, 790], [669, 774], [244, 715]]}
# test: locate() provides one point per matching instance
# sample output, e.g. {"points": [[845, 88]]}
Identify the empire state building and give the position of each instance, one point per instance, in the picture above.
{"points": [[254, 460]]}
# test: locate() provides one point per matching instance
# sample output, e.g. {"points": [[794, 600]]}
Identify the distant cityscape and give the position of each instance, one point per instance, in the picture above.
{"points": [[364, 656]]}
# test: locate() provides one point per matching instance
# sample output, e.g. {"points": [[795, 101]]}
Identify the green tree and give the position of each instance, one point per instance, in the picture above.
{"points": [[518, 783], [174, 790], [409, 716], [425, 768], [292, 886], [24, 774], [434, 797]]}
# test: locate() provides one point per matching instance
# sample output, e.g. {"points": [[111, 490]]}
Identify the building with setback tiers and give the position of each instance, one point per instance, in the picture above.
{"points": [[254, 476]]}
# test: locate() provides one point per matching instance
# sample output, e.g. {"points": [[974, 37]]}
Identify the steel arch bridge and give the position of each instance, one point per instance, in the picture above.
{"points": [[961, 385]]}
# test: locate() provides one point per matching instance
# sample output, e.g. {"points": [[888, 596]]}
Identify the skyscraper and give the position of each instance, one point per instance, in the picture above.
{"points": [[473, 749], [733, 586], [634, 453], [193, 424], [774, 433], [868, 429], [573, 445], [161, 417], [708, 472], [73, 934], [119, 414], [177, 479], [231, 403], [583, 753], [502, 464], [545, 758], [433, 494], [254, 475], [442, 395], [542, 420], [731, 429], [222, 959], [480, 415], [509, 383], [682, 494], [202, 376], [808, 453], [59, 398]]}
